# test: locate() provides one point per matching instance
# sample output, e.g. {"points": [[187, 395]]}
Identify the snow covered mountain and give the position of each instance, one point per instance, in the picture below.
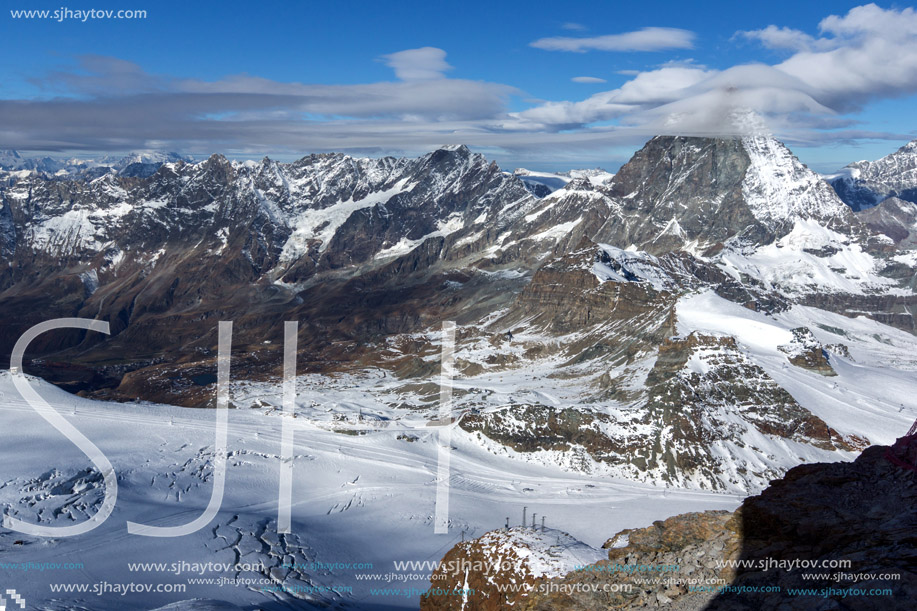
{"points": [[669, 338], [10, 159], [864, 184], [601, 286], [894, 218], [132, 164], [697, 194], [545, 183]]}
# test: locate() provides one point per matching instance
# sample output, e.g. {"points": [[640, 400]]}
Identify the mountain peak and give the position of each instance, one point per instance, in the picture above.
{"points": [[580, 183], [909, 148], [864, 184], [218, 167], [703, 192], [454, 156], [462, 149]]}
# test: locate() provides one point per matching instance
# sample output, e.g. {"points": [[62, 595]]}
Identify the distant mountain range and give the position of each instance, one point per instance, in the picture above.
{"points": [[705, 317], [545, 183], [133, 164]]}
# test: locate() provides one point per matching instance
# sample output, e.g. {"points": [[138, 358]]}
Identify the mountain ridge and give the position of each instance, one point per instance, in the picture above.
{"points": [[599, 291], [865, 184]]}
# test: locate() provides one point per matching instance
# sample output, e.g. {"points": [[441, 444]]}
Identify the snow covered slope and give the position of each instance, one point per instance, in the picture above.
{"points": [[365, 498]]}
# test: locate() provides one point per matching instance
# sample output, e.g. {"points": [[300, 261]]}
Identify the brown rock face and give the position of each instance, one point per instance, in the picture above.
{"points": [[652, 567], [564, 295], [672, 554], [893, 310], [861, 513]]}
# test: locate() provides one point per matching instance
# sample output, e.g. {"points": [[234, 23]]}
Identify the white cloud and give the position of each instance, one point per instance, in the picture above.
{"points": [[588, 79], [871, 19], [661, 85], [112, 80], [867, 54], [647, 39], [647, 89], [871, 53], [426, 63], [574, 26], [811, 96], [774, 37]]}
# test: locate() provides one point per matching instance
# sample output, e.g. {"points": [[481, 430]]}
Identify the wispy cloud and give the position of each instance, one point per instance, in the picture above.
{"points": [[588, 79], [578, 27], [646, 90], [783, 38], [647, 39], [422, 93], [108, 103]]}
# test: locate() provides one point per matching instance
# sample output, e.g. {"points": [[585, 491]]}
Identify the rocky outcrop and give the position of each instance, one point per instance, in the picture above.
{"points": [[805, 351], [705, 404], [582, 433], [698, 390], [501, 568], [891, 309], [859, 512], [674, 563], [566, 294], [825, 536]]}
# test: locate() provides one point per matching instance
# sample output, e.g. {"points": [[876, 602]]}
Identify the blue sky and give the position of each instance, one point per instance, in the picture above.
{"points": [[290, 78]]}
